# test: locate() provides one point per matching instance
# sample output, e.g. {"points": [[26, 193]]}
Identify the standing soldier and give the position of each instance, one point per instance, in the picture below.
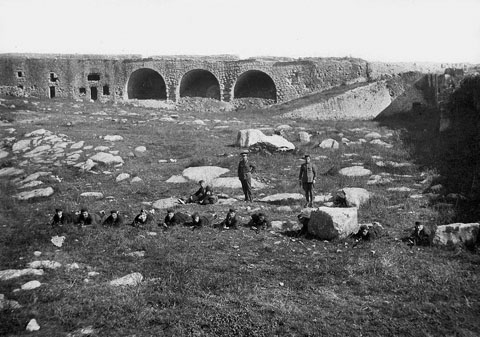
{"points": [[245, 170], [308, 173]]}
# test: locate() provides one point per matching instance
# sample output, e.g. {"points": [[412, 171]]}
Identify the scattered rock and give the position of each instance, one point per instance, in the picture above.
{"points": [[328, 223], [31, 184], [77, 145], [41, 192], [354, 196], [8, 304], [177, 180], [44, 264], [37, 253], [280, 197], [285, 209], [15, 273], [33, 325], [355, 171], [102, 148], [140, 149], [122, 176], [249, 137], [399, 189], [31, 285], [373, 135], [140, 253], [107, 158], [3, 154], [457, 234], [304, 137], [165, 203], [39, 132], [233, 182], [97, 195], [10, 171], [207, 173], [21, 145], [277, 225], [381, 143], [86, 166], [136, 180], [72, 266], [329, 144], [128, 280], [113, 138], [93, 273], [58, 240]]}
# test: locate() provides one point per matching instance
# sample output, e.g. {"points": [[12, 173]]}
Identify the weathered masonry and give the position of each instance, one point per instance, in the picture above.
{"points": [[113, 78]]}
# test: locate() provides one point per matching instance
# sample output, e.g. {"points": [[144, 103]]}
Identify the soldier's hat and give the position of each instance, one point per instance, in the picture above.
{"points": [[113, 211], [244, 153], [83, 210], [170, 210], [307, 155], [58, 210], [232, 210]]}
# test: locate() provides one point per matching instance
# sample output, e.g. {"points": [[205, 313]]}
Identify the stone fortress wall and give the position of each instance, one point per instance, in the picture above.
{"points": [[225, 78]]}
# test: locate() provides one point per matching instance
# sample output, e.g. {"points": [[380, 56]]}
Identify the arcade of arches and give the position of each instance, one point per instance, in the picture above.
{"points": [[146, 83]]}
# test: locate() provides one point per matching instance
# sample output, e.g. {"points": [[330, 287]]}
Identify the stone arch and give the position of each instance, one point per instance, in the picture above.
{"points": [[255, 83], [146, 83], [199, 83]]}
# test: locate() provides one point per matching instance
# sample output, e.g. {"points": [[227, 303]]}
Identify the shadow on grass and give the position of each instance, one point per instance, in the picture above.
{"points": [[454, 153]]}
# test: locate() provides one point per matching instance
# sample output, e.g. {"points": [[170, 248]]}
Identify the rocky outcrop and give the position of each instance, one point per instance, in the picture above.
{"points": [[249, 137]]}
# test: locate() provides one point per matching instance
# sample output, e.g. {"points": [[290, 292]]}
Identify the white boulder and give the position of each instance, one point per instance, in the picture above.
{"points": [[128, 280], [329, 144], [10, 171], [41, 192], [355, 171], [33, 325], [97, 195], [31, 285], [207, 173], [21, 145], [15, 273], [122, 176], [107, 158], [282, 197], [113, 138], [328, 223], [44, 264], [355, 196]]}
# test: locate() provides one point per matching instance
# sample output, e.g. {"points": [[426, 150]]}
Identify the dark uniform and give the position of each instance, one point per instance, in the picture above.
{"points": [[201, 222], [204, 195], [230, 220], [141, 220], [113, 221], [259, 221], [245, 170], [60, 218], [88, 219], [308, 173], [176, 219], [421, 236]]}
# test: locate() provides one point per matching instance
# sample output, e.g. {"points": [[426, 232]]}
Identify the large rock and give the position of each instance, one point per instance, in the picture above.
{"points": [[279, 197], [177, 180], [77, 145], [38, 193], [355, 171], [304, 137], [107, 158], [31, 285], [34, 176], [33, 325], [96, 195], [39, 150], [207, 173], [328, 223], [464, 234], [44, 264], [128, 280], [355, 196], [10, 171], [39, 132], [21, 145], [122, 176], [329, 144], [233, 182], [3, 154], [14, 273], [249, 137], [113, 138], [165, 203]]}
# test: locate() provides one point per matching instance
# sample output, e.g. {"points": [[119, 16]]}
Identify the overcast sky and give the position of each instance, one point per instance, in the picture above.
{"points": [[383, 30]]}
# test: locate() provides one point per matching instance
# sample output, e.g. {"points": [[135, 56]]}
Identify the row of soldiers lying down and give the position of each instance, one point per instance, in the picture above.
{"points": [[421, 234], [144, 218]]}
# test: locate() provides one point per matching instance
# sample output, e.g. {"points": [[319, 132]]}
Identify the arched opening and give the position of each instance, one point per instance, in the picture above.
{"points": [[255, 83], [199, 83], [146, 84]]}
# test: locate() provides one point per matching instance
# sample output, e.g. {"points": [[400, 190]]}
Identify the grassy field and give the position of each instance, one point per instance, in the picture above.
{"points": [[236, 282]]}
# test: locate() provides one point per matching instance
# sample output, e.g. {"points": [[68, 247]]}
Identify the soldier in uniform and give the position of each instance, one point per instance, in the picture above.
{"points": [[173, 219], [203, 196], [421, 235], [114, 220], [230, 221], [258, 221], [198, 221], [142, 219], [308, 173], [87, 219], [245, 170], [60, 219]]}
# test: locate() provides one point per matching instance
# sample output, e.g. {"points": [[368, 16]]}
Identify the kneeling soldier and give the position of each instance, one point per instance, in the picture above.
{"points": [[142, 219], [230, 221]]}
